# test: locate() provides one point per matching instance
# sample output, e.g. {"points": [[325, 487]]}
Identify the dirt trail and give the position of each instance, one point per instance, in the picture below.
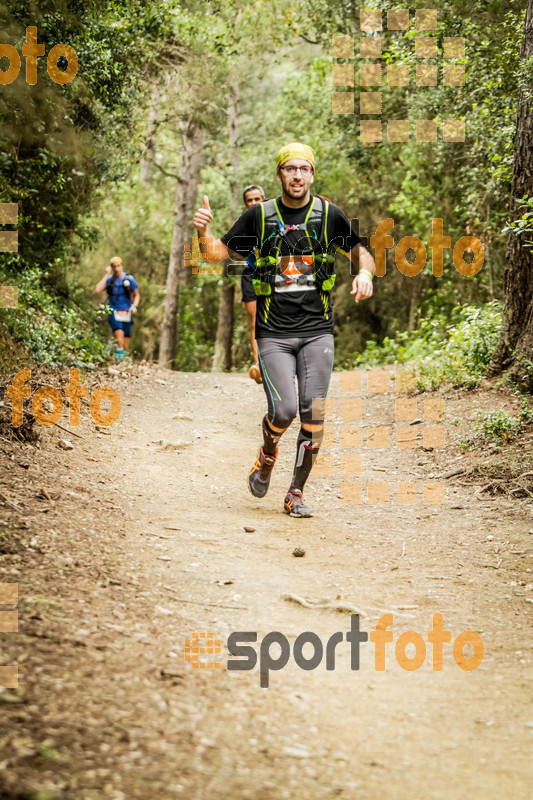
{"points": [[107, 707]]}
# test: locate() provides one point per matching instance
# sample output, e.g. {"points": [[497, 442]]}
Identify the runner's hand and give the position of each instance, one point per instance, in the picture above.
{"points": [[203, 216], [133, 309], [108, 269], [362, 287]]}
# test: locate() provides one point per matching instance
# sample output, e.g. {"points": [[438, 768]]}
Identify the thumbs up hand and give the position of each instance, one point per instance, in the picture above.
{"points": [[203, 217]]}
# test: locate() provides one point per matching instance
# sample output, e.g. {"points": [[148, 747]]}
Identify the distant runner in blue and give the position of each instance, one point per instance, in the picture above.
{"points": [[123, 300]]}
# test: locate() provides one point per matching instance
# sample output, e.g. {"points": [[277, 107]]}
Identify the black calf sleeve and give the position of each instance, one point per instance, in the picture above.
{"points": [[307, 448], [270, 439]]}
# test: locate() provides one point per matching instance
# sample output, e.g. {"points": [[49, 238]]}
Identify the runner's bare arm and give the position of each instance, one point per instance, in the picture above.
{"points": [[100, 286], [362, 283], [212, 249], [136, 298]]}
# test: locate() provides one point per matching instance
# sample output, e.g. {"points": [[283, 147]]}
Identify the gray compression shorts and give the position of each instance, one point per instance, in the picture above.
{"points": [[310, 358]]}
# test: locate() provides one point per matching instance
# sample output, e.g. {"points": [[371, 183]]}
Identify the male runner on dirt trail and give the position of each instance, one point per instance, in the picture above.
{"points": [[294, 238], [251, 195], [120, 289]]}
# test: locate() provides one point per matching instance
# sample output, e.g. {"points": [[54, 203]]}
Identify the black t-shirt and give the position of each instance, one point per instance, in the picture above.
{"points": [[286, 314]]}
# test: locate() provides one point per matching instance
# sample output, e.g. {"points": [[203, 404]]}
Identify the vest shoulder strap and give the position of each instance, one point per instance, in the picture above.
{"points": [[318, 212], [269, 213]]}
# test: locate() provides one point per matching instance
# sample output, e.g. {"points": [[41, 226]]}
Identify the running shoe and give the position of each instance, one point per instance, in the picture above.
{"points": [[294, 504], [259, 477], [255, 373]]}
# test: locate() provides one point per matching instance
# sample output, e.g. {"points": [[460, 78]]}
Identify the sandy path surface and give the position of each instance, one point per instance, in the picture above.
{"points": [[142, 544]]}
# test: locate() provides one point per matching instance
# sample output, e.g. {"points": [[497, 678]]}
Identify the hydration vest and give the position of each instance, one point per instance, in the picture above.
{"points": [[268, 273], [126, 286]]}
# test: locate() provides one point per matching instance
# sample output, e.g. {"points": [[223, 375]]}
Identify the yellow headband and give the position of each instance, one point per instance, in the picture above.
{"points": [[295, 150]]}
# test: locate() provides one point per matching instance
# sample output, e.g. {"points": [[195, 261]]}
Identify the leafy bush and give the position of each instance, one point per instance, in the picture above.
{"points": [[457, 354], [496, 425], [466, 354], [501, 425], [55, 331], [404, 347]]}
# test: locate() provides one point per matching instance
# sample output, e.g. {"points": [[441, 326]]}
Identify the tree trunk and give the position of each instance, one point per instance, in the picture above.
{"points": [[224, 337], [515, 346], [150, 146], [188, 179]]}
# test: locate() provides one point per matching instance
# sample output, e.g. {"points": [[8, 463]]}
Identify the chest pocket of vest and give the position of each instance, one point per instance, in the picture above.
{"points": [[312, 268]]}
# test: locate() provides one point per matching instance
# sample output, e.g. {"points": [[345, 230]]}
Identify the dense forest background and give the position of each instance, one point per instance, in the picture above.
{"points": [[175, 100]]}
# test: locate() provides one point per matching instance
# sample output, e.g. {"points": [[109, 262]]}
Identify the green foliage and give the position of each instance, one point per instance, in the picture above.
{"points": [[444, 354], [495, 425], [197, 326], [404, 346], [465, 356], [54, 330], [501, 425], [525, 223], [61, 145], [68, 156]]}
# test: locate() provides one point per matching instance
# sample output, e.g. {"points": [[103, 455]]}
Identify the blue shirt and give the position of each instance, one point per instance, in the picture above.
{"points": [[118, 298]]}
